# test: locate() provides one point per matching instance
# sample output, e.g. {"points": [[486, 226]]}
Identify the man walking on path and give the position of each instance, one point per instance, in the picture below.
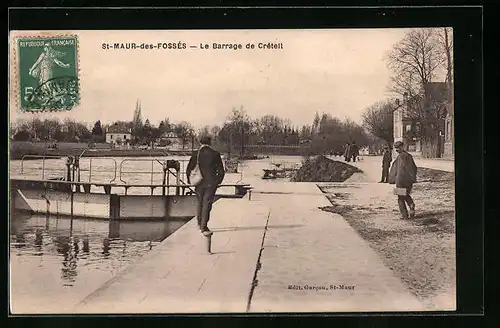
{"points": [[210, 164], [404, 173], [354, 151], [347, 152], [386, 163]]}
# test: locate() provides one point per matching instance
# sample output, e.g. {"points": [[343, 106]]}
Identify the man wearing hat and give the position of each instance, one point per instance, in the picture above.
{"points": [[405, 172], [386, 163], [209, 162]]}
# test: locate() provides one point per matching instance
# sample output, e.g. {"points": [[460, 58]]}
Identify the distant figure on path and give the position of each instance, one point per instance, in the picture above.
{"points": [[212, 171], [404, 173], [386, 164], [354, 151], [347, 152]]}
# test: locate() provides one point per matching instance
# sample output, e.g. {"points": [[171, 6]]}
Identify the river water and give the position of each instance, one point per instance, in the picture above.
{"points": [[56, 261]]}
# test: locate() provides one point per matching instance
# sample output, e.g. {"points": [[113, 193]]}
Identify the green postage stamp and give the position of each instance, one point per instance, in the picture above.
{"points": [[47, 73]]}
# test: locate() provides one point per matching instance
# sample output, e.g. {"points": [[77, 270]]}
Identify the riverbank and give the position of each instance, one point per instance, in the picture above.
{"points": [[420, 251], [20, 149]]}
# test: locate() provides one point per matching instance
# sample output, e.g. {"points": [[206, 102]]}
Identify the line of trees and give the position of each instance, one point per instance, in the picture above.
{"points": [[50, 129], [378, 120], [325, 134], [72, 131]]}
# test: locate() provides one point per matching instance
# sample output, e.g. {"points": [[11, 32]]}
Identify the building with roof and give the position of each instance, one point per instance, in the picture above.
{"points": [[171, 140], [118, 134], [406, 124], [433, 100]]}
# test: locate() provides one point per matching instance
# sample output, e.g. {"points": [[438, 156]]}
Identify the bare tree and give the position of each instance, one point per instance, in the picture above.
{"points": [[416, 61], [445, 37], [269, 129], [214, 131], [184, 131], [236, 129], [378, 120], [204, 131], [137, 125]]}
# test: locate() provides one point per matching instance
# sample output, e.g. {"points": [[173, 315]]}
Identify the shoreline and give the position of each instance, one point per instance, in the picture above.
{"points": [[20, 149], [18, 155]]}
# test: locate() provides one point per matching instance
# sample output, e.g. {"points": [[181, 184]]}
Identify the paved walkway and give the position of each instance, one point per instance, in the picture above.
{"points": [[178, 276], [302, 246], [305, 247], [437, 164]]}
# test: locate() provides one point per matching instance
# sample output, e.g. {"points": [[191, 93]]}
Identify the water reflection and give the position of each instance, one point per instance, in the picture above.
{"points": [[87, 251], [20, 241], [105, 247], [100, 246], [65, 248], [18, 236], [86, 247], [38, 243], [114, 229]]}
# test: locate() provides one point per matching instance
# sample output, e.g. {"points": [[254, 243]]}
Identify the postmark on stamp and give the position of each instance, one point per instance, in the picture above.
{"points": [[47, 69]]}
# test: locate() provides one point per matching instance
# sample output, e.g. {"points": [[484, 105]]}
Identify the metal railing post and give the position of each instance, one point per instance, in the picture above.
{"points": [[168, 182], [152, 172], [177, 189], [164, 178], [90, 170], [114, 177], [43, 168], [121, 166]]}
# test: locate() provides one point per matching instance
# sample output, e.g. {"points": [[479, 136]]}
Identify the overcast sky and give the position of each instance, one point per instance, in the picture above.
{"points": [[340, 72]]}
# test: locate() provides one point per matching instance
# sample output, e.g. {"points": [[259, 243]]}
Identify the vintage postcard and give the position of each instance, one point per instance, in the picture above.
{"points": [[231, 171]]}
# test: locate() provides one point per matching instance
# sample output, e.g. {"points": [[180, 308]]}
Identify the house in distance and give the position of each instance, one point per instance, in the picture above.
{"points": [[116, 134]]}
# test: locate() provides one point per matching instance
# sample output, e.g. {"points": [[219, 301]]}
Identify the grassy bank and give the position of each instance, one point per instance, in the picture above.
{"points": [[421, 251]]}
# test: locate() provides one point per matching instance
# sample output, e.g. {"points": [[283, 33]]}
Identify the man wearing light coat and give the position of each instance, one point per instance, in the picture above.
{"points": [[404, 174]]}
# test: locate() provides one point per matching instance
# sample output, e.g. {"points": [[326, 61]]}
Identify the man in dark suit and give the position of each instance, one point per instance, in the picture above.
{"points": [[354, 151], [386, 164], [212, 171], [347, 152]]}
